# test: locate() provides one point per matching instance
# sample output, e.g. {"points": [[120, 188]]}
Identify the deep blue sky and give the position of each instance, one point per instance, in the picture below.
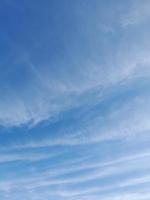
{"points": [[74, 99]]}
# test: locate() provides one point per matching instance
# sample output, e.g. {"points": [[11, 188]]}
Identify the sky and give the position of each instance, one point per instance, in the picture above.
{"points": [[74, 99]]}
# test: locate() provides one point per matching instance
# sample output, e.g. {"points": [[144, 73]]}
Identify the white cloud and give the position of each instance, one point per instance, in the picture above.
{"points": [[98, 171], [139, 12], [12, 157], [48, 95], [129, 120]]}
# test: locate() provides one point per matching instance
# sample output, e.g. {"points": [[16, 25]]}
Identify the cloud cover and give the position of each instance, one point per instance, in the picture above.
{"points": [[75, 101]]}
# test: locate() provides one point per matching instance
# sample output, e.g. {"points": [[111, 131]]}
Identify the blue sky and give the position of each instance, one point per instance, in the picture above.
{"points": [[74, 100]]}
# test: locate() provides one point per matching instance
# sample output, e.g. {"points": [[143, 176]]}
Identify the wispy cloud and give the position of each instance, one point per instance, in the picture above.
{"points": [[138, 13], [47, 94], [130, 120], [74, 100]]}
